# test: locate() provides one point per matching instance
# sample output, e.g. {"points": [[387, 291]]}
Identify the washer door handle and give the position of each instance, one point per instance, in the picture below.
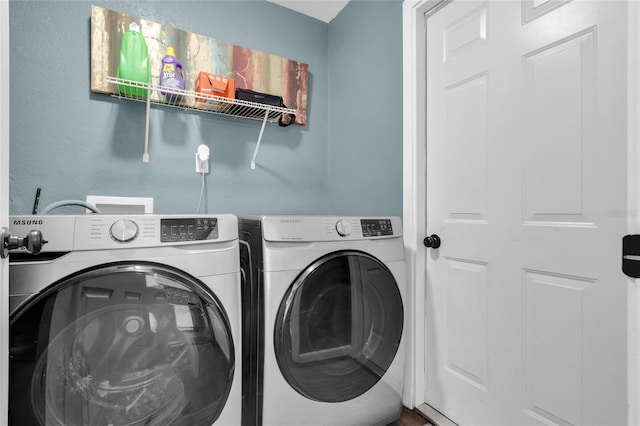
{"points": [[432, 241]]}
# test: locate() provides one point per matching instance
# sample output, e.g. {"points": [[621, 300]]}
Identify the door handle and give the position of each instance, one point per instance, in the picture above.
{"points": [[432, 241], [631, 255], [33, 242]]}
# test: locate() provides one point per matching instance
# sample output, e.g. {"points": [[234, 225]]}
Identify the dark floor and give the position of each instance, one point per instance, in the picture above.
{"points": [[411, 418]]}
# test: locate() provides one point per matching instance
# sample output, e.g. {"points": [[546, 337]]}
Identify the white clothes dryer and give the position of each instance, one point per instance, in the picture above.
{"points": [[126, 320], [324, 304]]}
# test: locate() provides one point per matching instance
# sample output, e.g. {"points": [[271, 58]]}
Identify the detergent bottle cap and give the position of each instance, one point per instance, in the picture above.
{"points": [[134, 27], [170, 51]]}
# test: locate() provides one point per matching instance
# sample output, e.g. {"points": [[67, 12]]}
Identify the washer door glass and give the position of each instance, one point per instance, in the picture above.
{"points": [[122, 344], [339, 327]]}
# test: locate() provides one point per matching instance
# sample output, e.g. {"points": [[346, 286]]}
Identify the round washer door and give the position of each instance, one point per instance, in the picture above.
{"points": [[121, 344], [339, 326]]}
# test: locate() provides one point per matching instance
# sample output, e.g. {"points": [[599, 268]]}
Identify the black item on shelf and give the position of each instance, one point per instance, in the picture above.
{"points": [[267, 99]]}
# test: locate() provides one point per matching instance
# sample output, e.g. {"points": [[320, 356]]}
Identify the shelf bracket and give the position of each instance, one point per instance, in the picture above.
{"points": [[145, 156], [255, 151]]}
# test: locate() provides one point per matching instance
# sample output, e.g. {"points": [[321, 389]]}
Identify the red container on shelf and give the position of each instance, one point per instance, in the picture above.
{"points": [[216, 85]]}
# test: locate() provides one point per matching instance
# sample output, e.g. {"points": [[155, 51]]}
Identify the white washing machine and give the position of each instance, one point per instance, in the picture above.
{"points": [[126, 320], [325, 314]]}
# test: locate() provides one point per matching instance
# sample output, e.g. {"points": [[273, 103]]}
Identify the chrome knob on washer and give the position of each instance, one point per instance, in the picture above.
{"points": [[124, 230], [343, 228]]}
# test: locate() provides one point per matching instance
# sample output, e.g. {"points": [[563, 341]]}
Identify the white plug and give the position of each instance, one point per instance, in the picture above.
{"points": [[202, 159]]}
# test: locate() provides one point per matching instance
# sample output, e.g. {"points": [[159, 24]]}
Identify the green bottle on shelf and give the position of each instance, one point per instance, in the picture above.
{"points": [[134, 62]]}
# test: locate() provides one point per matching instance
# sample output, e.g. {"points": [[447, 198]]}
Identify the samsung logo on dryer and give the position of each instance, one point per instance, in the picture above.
{"points": [[18, 222], [290, 221]]}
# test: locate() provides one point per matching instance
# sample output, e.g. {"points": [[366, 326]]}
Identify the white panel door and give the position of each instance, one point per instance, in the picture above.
{"points": [[526, 182]]}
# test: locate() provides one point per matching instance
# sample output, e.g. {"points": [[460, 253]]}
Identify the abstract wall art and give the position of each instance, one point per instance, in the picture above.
{"points": [[251, 69]]}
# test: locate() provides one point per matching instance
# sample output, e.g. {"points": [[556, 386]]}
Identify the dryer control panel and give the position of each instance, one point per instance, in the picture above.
{"points": [[312, 228]]}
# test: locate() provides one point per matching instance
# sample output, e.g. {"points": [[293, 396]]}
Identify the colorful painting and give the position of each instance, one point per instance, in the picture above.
{"points": [[251, 69]]}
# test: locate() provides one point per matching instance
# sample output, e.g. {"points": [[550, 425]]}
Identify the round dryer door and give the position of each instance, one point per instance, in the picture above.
{"points": [[121, 344], [339, 327]]}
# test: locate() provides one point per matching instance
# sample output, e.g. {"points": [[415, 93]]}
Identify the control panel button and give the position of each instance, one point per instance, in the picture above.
{"points": [[343, 228], [124, 230]]}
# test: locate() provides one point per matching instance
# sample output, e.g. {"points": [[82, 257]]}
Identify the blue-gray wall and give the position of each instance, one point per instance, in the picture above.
{"points": [[73, 143], [365, 109]]}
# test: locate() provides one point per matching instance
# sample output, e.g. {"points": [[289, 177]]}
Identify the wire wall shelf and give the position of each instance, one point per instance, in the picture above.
{"points": [[154, 94], [189, 100]]}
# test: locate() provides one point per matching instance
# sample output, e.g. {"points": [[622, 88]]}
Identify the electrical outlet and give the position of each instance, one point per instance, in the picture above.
{"points": [[202, 166]]}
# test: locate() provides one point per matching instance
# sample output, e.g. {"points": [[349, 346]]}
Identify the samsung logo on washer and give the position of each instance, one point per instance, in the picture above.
{"points": [[28, 222], [290, 221]]}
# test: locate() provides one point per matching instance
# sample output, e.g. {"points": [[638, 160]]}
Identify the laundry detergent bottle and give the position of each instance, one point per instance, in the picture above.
{"points": [[134, 63], [171, 76]]}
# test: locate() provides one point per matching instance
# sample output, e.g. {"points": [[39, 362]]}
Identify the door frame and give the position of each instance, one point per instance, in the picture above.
{"points": [[4, 209], [633, 203], [414, 186], [414, 193]]}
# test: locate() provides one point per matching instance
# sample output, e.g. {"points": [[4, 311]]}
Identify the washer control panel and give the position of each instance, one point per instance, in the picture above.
{"points": [[188, 229], [66, 233], [376, 227]]}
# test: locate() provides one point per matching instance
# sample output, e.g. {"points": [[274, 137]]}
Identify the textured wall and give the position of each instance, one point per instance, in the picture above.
{"points": [[73, 143], [347, 159], [365, 109]]}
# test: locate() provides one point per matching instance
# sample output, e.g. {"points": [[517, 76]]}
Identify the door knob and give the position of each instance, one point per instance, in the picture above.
{"points": [[33, 242], [432, 241]]}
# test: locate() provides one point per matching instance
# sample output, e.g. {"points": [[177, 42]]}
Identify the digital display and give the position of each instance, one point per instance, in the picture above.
{"points": [[188, 229], [376, 227]]}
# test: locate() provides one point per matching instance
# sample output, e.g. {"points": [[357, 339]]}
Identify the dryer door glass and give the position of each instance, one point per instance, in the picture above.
{"points": [[339, 327], [122, 344]]}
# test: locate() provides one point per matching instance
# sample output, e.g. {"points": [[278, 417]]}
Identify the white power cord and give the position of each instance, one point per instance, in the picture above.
{"points": [[201, 194], [202, 164]]}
